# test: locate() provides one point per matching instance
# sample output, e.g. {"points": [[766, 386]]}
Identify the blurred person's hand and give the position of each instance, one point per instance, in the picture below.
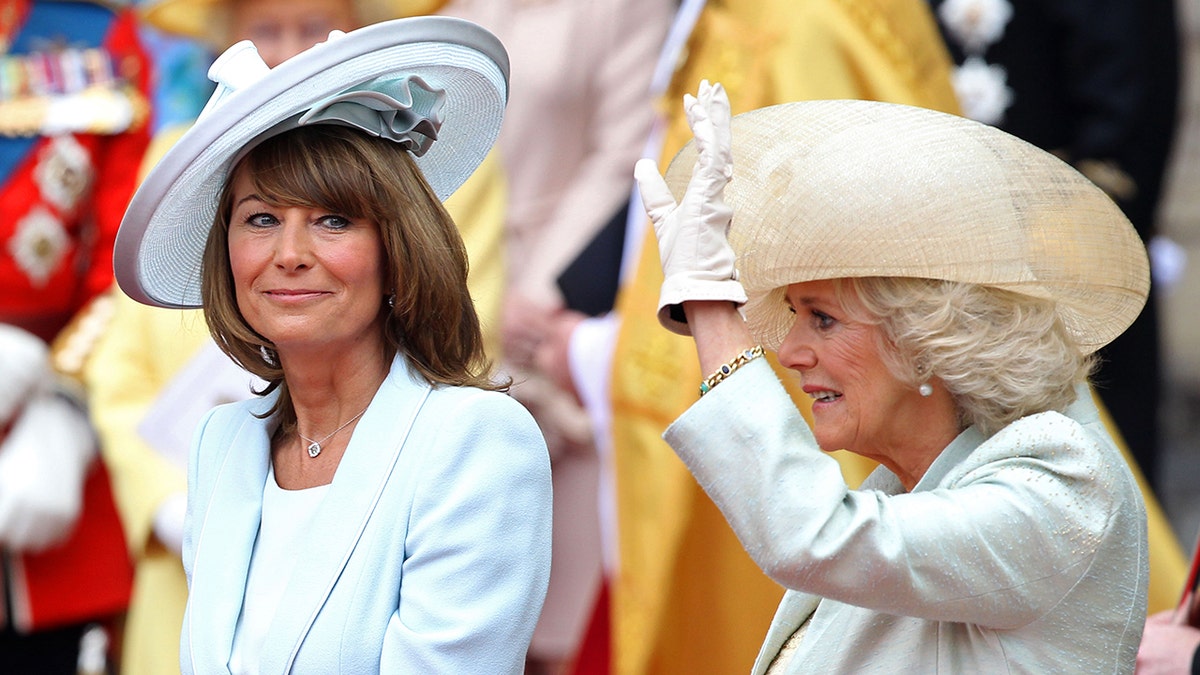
{"points": [[1167, 647], [43, 461], [525, 323], [553, 355]]}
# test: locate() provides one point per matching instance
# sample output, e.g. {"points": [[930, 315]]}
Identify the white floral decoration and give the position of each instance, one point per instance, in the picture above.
{"points": [[64, 173], [39, 244], [975, 24], [982, 90]]}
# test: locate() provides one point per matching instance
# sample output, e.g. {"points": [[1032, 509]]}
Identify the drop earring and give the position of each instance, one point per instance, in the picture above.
{"points": [[267, 355], [391, 300], [924, 389]]}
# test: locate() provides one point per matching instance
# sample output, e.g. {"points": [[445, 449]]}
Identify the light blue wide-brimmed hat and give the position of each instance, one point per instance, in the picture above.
{"points": [[438, 85]]}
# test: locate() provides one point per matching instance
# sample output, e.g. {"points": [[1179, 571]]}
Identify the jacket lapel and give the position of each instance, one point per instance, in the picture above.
{"points": [[793, 610], [337, 527], [226, 540]]}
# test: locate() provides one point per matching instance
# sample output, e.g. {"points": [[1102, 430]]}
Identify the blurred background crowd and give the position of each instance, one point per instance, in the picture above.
{"points": [[97, 392]]}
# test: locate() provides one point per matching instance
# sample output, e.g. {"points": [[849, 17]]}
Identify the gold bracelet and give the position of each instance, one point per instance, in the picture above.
{"points": [[727, 369]]}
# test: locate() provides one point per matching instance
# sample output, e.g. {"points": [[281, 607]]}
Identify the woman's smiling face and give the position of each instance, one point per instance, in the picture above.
{"points": [[305, 276]]}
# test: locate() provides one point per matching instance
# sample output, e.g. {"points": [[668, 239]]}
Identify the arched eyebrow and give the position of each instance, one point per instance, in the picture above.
{"points": [[253, 197]]}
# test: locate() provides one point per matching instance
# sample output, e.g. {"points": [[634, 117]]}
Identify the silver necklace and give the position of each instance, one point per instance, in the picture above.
{"points": [[314, 447]]}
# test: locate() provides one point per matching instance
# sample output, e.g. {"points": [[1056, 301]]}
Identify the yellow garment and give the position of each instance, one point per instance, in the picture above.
{"points": [[687, 598], [139, 351]]}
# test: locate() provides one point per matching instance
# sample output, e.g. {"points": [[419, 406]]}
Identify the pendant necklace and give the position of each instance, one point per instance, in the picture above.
{"points": [[314, 447]]}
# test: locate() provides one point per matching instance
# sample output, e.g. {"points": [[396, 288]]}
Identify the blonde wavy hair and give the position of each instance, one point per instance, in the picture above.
{"points": [[1002, 355]]}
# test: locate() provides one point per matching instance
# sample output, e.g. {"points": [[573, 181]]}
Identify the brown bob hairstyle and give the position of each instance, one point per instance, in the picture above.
{"points": [[432, 320]]}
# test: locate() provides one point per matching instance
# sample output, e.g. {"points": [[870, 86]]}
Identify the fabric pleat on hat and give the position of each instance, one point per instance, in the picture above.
{"points": [[835, 189]]}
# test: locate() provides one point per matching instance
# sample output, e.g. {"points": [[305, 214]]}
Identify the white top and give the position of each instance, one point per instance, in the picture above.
{"points": [[285, 513]]}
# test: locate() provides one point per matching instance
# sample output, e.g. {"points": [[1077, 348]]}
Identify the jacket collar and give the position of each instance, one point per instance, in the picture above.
{"points": [[222, 559]]}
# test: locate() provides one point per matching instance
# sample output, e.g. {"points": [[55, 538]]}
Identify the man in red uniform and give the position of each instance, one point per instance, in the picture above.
{"points": [[73, 129]]}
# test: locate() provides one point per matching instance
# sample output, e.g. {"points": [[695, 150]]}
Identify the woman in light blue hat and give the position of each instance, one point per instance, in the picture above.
{"points": [[382, 506]]}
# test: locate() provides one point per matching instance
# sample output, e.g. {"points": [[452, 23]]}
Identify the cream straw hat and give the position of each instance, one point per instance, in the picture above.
{"points": [[833, 189], [436, 84]]}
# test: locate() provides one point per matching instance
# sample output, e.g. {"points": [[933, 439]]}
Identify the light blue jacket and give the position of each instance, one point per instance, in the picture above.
{"points": [[1023, 552], [429, 554]]}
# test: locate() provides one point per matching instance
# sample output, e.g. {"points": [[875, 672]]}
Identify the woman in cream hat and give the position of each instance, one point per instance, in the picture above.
{"points": [[380, 505], [938, 286]]}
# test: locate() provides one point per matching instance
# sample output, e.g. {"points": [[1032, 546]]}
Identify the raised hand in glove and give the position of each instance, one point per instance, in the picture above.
{"points": [[697, 261], [43, 461]]}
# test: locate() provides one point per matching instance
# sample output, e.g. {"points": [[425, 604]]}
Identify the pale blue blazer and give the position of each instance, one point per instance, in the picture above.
{"points": [[429, 554]]}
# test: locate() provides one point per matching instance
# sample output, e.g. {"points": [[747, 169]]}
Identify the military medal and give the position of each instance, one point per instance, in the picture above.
{"points": [[61, 89]]}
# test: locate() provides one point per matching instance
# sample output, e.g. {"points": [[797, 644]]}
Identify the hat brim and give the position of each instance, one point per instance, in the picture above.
{"points": [[847, 188], [162, 237]]}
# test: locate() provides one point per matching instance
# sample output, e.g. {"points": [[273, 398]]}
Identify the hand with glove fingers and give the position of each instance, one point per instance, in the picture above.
{"points": [[697, 261], [43, 462]]}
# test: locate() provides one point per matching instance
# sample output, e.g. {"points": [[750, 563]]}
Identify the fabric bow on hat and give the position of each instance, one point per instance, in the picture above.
{"points": [[405, 110]]}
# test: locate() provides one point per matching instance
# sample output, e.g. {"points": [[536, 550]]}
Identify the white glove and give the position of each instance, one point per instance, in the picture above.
{"points": [[24, 362], [697, 261], [168, 522], [43, 461]]}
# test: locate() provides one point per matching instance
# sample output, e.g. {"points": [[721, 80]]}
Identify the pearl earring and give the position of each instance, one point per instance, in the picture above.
{"points": [[925, 389]]}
